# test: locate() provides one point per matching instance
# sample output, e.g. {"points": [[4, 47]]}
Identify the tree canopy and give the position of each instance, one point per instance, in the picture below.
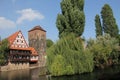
{"points": [[72, 18], [109, 22], [3, 51], [99, 31], [105, 50], [68, 57], [49, 43]]}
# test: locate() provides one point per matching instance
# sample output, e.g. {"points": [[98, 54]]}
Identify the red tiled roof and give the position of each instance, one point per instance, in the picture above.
{"points": [[37, 28], [34, 52], [12, 37]]}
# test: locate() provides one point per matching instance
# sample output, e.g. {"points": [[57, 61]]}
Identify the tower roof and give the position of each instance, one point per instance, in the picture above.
{"points": [[37, 28]]}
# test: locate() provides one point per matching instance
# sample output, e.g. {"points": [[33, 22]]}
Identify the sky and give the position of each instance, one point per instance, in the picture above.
{"points": [[23, 15]]}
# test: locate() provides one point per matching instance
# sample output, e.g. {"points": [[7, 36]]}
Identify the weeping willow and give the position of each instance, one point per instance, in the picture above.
{"points": [[68, 57]]}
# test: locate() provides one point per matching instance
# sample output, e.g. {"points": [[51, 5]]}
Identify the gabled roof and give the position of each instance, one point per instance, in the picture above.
{"points": [[37, 28], [12, 37]]}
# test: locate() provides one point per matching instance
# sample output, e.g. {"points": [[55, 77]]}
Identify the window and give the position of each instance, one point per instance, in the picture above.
{"points": [[17, 40], [21, 41]]}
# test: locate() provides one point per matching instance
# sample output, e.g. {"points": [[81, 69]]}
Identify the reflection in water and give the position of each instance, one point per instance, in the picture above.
{"points": [[15, 75], [26, 74], [112, 73], [33, 74]]}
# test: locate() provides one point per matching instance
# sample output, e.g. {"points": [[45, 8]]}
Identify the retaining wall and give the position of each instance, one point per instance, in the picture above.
{"points": [[14, 66]]}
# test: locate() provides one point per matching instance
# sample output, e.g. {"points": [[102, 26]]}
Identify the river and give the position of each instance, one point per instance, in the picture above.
{"points": [[112, 73]]}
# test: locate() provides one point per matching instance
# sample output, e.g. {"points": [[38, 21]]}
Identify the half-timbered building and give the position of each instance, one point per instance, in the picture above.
{"points": [[20, 52]]}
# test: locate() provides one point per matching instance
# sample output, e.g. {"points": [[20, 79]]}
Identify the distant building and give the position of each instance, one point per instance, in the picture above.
{"points": [[37, 39]]}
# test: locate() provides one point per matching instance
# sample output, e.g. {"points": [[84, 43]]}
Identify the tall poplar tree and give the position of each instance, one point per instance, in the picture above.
{"points": [[98, 26], [109, 22], [72, 18]]}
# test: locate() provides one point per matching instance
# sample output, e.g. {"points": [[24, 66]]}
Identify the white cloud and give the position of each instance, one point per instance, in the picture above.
{"points": [[6, 23], [29, 14]]}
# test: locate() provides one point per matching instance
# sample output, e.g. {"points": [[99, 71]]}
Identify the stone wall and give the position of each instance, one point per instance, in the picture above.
{"points": [[37, 39], [16, 66]]}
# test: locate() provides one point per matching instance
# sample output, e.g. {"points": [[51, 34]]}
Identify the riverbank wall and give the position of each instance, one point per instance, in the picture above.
{"points": [[19, 66], [16, 66]]}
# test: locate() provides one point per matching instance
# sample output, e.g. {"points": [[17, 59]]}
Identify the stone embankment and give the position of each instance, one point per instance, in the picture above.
{"points": [[16, 66]]}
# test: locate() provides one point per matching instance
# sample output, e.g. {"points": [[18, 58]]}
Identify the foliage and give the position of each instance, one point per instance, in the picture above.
{"points": [[58, 66], [68, 57], [49, 43], [2, 59], [105, 50], [109, 22], [72, 18], [98, 26], [3, 51], [118, 39]]}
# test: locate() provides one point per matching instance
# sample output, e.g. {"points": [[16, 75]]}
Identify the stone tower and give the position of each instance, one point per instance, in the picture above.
{"points": [[37, 39]]}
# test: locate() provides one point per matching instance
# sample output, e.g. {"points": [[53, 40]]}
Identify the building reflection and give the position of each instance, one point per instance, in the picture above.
{"points": [[26, 74], [15, 75]]}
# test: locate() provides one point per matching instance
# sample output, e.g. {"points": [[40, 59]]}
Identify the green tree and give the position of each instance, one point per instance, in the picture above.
{"points": [[105, 50], [98, 26], [109, 22], [3, 51], [49, 43], [58, 66], [74, 58], [72, 18]]}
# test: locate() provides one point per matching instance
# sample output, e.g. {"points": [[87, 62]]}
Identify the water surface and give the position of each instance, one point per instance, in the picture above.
{"points": [[112, 73]]}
